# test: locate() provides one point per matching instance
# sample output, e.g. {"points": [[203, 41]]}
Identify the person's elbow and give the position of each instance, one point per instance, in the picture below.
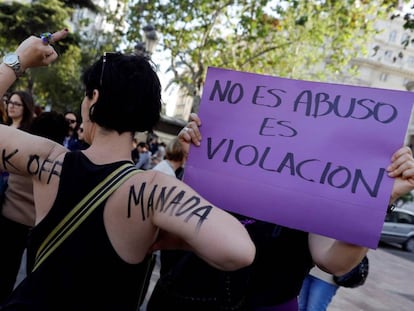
{"points": [[241, 257]]}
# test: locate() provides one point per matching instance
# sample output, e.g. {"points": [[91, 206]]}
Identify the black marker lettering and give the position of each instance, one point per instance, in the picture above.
{"points": [[201, 212], [162, 198], [6, 159]]}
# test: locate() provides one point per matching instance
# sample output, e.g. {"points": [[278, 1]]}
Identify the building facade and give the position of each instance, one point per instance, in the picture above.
{"points": [[389, 64]]}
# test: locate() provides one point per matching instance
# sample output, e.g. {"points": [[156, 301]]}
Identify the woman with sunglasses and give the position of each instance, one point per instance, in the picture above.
{"points": [[102, 263], [82, 143], [71, 140]]}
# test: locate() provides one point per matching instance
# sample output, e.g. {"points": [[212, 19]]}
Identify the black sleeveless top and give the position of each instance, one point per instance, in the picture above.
{"points": [[85, 272], [282, 261]]}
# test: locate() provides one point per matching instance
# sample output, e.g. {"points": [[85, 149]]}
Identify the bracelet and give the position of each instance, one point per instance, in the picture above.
{"points": [[391, 207]]}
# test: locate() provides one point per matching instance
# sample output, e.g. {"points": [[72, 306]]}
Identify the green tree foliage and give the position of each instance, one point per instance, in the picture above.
{"points": [[59, 85], [20, 20], [285, 38], [81, 4]]}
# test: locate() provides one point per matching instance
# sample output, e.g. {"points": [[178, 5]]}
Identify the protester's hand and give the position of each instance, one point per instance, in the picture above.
{"points": [[402, 169], [190, 133], [37, 52]]}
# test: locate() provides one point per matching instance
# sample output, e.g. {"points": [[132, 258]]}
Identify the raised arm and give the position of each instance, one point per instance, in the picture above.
{"points": [[14, 144], [32, 52]]}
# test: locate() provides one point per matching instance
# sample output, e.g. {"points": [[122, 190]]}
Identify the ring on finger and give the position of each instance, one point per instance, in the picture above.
{"points": [[46, 38]]}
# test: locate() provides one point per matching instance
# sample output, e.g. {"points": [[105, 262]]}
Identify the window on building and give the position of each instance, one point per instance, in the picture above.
{"points": [[393, 36], [383, 77], [405, 39], [388, 55]]}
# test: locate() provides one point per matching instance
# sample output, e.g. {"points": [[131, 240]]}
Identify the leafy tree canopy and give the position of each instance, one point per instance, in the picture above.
{"points": [[82, 4], [59, 85], [287, 38]]}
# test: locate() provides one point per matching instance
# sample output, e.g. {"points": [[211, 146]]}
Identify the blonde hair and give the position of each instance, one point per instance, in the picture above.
{"points": [[174, 151]]}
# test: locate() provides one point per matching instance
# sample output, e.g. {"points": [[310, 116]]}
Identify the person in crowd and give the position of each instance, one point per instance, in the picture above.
{"points": [[82, 143], [71, 140], [144, 160], [3, 111], [101, 263], [16, 192], [159, 155], [37, 110], [152, 141], [17, 214], [317, 291], [51, 125], [20, 110], [175, 158], [284, 257], [134, 151], [319, 287]]}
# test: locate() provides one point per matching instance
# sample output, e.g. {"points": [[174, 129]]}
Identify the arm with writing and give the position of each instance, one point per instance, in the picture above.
{"points": [[197, 225], [15, 155]]}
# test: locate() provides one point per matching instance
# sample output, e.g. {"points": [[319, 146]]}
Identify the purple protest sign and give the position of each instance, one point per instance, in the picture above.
{"points": [[306, 155]]}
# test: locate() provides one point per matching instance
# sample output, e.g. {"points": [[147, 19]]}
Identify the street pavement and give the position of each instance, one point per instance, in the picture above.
{"points": [[389, 286]]}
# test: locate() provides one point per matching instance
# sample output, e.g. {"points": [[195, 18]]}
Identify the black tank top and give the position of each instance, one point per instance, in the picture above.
{"points": [[85, 272], [282, 261]]}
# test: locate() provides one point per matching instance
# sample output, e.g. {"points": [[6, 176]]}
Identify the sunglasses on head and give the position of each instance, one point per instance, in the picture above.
{"points": [[105, 58]]}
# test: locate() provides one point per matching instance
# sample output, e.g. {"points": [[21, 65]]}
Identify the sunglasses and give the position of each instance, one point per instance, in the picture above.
{"points": [[71, 121], [14, 104]]}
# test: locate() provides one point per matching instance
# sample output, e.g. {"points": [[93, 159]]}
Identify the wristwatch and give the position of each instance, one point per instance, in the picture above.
{"points": [[12, 60]]}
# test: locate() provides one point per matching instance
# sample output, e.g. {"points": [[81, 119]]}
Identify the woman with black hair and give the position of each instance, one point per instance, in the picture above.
{"points": [[89, 248]]}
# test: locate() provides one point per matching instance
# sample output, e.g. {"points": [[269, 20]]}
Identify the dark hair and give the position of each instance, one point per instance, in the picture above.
{"points": [[50, 124], [3, 113], [72, 132], [142, 144], [28, 109], [72, 112], [129, 93]]}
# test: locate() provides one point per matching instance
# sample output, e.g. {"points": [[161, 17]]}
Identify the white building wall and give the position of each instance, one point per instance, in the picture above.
{"points": [[388, 65]]}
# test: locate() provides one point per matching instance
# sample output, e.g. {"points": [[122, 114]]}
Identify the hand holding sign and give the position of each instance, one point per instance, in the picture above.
{"points": [[307, 155]]}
